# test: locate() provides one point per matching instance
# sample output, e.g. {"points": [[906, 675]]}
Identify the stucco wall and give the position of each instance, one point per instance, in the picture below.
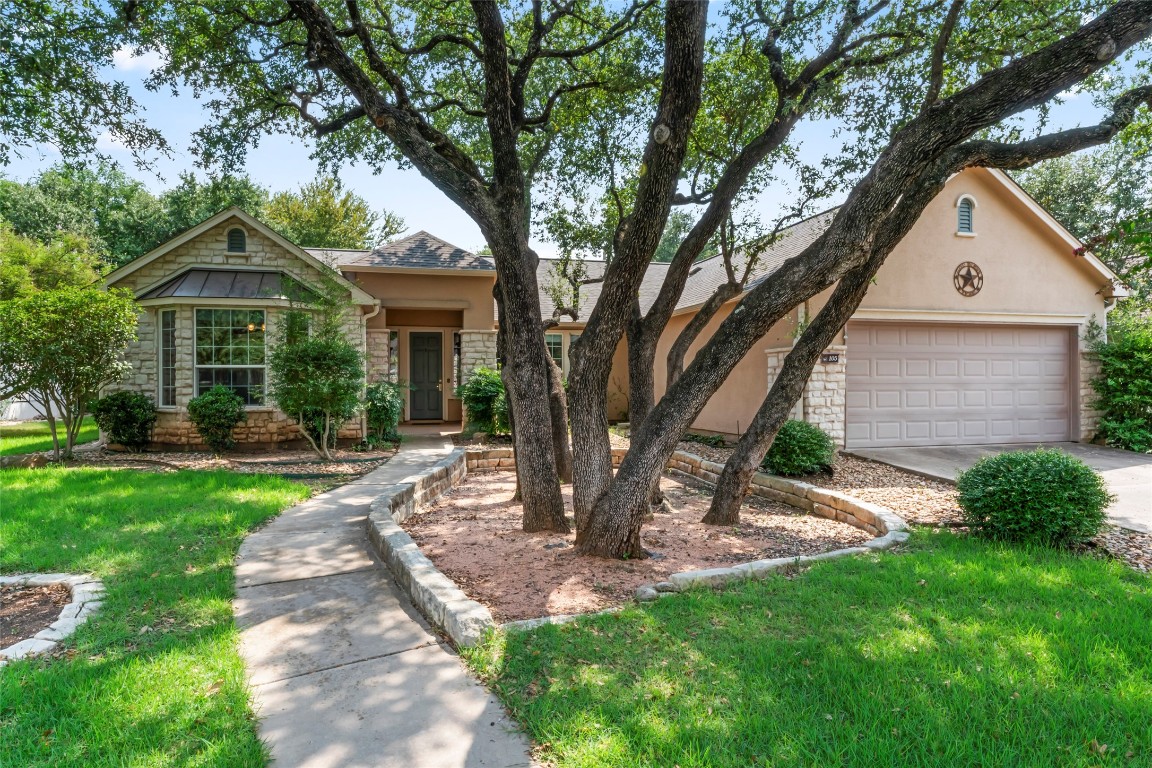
{"points": [[472, 294]]}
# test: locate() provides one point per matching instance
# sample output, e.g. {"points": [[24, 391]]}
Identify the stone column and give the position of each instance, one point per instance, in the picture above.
{"points": [[824, 394], [1089, 416], [379, 357], [477, 350]]}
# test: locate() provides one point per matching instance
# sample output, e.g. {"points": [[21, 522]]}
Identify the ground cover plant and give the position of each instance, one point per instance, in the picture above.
{"points": [[33, 436], [951, 651], [154, 678]]}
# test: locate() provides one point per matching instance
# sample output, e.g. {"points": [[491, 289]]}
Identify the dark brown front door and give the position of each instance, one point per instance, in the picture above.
{"points": [[425, 356]]}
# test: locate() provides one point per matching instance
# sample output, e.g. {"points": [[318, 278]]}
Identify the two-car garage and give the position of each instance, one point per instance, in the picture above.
{"points": [[941, 384]]}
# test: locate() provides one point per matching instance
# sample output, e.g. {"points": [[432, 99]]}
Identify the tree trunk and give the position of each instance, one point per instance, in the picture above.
{"points": [[558, 404], [527, 378], [641, 373], [696, 326]]}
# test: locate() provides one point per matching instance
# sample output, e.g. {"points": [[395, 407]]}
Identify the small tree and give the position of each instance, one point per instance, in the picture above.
{"points": [[317, 378], [60, 348]]}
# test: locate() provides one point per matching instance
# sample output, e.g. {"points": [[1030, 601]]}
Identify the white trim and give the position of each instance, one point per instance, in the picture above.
{"points": [[385, 269], [965, 234], [965, 196], [358, 294], [955, 316], [254, 303]]}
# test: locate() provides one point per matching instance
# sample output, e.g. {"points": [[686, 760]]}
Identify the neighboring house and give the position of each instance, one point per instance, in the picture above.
{"points": [[971, 334]]}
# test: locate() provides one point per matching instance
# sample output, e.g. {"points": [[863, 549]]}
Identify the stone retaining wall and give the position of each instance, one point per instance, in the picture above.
{"points": [[466, 621]]}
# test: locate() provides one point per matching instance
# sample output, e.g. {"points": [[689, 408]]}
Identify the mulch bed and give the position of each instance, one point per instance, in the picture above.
{"points": [[473, 535], [305, 465], [24, 611]]}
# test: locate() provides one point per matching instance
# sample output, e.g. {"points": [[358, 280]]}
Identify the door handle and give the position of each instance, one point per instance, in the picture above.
{"points": [[438, 387]]}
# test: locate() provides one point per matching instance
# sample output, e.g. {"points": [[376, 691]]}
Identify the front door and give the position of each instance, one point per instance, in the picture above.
{"points": [[425, 357]]}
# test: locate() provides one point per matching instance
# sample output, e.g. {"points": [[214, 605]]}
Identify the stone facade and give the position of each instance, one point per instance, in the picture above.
{"points": [[824, 395], [1089, 369], [477, 350], [265, 426], [822, 402], [382, 362]]}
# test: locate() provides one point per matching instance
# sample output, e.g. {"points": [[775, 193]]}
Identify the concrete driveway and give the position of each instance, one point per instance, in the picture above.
{"points": [[1128, 474]]}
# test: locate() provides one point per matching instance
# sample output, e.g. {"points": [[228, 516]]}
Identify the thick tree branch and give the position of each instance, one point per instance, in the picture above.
{"points": [[939, 49]]}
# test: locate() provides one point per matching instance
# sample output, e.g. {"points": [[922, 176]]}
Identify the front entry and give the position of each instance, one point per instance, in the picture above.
{"points": [[425, 360]]}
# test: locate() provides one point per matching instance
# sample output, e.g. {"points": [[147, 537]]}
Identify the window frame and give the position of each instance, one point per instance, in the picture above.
{"points": [[562, 362], [197, 367], [164, 365]]}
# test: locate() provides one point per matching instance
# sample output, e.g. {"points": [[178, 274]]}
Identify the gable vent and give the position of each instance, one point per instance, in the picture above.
{"points": [[237, 240], [964, 216]]}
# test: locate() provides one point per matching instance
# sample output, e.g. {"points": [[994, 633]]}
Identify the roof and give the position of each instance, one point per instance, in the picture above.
{"points": [[418, 251], [358, 295], [546, 274], [230, 284]]}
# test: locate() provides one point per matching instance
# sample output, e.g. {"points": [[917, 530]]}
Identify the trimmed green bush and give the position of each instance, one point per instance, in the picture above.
{"points": [[1043, 496], [484, 402], [800, 448], [384, 405], [1124, 386], [127, 418], [215, 414]]}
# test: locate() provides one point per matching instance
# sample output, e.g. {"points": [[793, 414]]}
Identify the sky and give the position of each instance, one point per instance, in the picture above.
{"points": [[282, 163]]}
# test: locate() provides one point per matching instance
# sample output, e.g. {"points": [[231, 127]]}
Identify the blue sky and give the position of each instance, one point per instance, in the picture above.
{"points": [[284, 163]]}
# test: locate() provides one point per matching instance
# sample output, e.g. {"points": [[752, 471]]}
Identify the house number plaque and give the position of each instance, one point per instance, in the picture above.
{"points": [[829, 357]]}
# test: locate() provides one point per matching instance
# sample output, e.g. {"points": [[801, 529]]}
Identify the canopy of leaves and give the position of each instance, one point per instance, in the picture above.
{"points": [[192, 201], [27, 266], [322, 215], [1104, 197], [52, 88]]}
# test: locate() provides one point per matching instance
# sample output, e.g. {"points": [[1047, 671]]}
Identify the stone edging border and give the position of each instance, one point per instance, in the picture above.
{"points": [[87, 597], [465, 620]]}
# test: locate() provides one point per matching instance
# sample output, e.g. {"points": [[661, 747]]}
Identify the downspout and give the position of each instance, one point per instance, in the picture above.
{"points": [[364, 346]]}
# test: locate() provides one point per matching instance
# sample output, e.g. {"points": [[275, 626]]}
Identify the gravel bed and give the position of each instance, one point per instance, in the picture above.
{"points": [[350, 464]]}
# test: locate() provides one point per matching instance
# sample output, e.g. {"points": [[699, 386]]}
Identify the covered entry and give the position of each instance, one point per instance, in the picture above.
{"points": [[939, 384]]}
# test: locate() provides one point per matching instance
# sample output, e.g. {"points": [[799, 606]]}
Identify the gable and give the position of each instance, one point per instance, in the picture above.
{"points": [[1027, 261]]}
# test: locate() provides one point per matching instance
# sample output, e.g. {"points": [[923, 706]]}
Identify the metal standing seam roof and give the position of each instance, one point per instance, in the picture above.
{"points": [[230, 284]]}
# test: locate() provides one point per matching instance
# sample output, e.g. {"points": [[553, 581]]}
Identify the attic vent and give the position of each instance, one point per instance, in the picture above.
{"points": [[237, 240], [964, 216]]}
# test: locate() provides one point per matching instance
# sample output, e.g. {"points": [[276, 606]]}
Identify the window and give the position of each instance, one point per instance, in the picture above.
{"points": [[237, 240], [230, 352], [168, 357], [555, 344], [964, 210]]}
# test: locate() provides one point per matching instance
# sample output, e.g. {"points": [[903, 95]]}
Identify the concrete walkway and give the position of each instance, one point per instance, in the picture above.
{"points": [[1128, 474], [344, 672]]}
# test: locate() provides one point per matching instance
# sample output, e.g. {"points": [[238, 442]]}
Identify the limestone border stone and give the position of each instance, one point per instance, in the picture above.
{"points": [[87, 597], [466, 621]]}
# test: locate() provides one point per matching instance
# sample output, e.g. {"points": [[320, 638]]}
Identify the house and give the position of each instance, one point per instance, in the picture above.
{"points": [[972, 333]]}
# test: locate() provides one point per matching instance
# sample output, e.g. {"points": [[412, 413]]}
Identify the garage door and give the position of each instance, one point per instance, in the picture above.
{"points": [[920, 384]]}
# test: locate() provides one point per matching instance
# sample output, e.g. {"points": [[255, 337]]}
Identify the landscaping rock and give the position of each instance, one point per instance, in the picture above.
{"points": [[708, 576], [28, 647], [666, 586], [646, 594]]}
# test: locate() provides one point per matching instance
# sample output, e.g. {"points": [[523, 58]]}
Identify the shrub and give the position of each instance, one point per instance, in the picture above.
{"points": [[384, 405], [800, 448], [1124, 386], [484, 402], [127, 418], [1043, 496], [316, 378], [216, 413]]}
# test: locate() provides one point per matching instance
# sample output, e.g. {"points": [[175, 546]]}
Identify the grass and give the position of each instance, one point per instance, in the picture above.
{"points": [[950, 652], [32, 436], [154, 678]]}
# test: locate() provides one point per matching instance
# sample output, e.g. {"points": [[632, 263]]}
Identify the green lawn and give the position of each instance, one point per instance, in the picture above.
{"points": [[951, 652], [164, 545], [31, 436]]}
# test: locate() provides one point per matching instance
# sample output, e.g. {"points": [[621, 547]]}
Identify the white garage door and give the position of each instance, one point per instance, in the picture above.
{"points": [[920, 384]]}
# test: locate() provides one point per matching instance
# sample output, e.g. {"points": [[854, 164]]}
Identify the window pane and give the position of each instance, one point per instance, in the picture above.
{"points": [[555, 343], [168, 357]]}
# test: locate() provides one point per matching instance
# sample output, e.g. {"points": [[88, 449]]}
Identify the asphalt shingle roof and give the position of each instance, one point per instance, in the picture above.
{"points": [[418, 251]]}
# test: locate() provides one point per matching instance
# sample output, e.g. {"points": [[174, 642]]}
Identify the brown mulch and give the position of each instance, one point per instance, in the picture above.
{"points": [[346, 464], [24, 611], [473, 535]]}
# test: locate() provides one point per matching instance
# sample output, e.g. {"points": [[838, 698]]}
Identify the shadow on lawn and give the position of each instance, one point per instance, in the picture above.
{"points": [[952, 652]]}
